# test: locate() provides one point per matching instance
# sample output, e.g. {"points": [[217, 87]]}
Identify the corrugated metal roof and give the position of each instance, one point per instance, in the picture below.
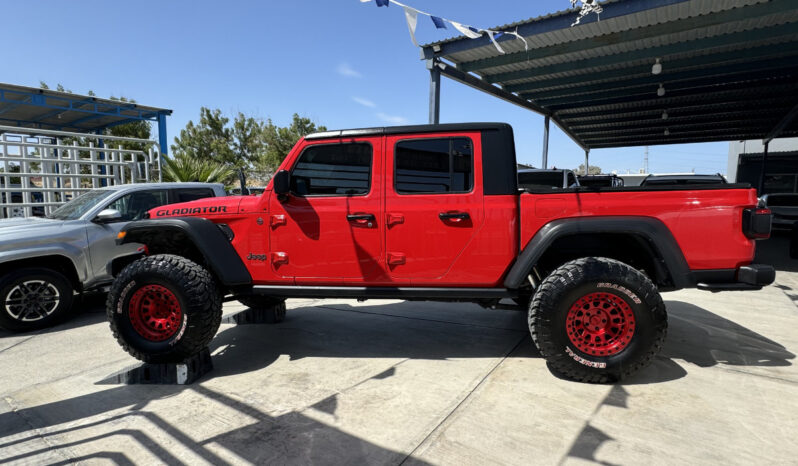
{"points": [[32, 107], [719, 57]]}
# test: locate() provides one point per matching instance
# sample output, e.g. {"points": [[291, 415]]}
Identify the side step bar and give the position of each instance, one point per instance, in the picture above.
{"points": [[364, 292]]}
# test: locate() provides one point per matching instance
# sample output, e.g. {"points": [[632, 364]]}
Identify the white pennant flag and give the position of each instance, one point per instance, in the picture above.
{"points": [[466, 31], [493, 39], [519, 36], [412, 22]]}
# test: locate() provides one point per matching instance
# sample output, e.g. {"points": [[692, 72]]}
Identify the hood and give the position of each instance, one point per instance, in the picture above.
{"points": [[208, 207], [27, 226]]}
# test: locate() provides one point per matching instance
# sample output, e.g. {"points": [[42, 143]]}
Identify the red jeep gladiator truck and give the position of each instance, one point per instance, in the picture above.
{"points": [[434, 212]]}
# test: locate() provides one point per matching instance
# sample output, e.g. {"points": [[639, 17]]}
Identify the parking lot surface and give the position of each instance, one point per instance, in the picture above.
{"points": [[391, 382]]}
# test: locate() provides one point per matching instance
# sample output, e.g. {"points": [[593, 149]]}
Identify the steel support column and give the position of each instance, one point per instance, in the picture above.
{"points": [[434, 92], [163, 143], [545, 163], [762, 172], [162, 134], [587, 161]]}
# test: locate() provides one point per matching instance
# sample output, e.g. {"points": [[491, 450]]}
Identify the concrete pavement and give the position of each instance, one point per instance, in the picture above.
{"points": [[390, 382]]}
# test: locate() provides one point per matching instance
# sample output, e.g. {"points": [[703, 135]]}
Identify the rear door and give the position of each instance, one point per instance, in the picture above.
{"points": [[433, 203], [328, 229]]}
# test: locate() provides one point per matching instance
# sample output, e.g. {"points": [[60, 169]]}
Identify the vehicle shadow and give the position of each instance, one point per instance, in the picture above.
{"points": [[706, 339], [87, 309], [405, 330], [397, 330]]}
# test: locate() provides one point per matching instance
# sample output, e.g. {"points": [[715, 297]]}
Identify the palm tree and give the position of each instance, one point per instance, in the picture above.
{"points": [[183, 168]]}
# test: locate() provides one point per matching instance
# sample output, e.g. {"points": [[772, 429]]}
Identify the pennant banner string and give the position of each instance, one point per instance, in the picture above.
{"points": [[411, 15]]}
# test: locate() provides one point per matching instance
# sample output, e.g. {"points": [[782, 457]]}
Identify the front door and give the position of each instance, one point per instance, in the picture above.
{"points": [[433, 204], [328, 228]]}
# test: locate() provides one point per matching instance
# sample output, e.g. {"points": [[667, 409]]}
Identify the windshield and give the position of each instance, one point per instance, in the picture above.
{"points": [[75, 208]]}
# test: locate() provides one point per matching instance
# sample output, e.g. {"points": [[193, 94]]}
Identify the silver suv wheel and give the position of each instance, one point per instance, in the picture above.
{"points": [[32, 300]]}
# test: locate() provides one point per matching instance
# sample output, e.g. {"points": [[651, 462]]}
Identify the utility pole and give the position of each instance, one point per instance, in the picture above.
{"points": [[645, 162]]}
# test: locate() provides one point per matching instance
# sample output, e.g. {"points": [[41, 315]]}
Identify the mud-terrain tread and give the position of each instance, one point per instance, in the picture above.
{"points": [[589, 269], [197, 287]]}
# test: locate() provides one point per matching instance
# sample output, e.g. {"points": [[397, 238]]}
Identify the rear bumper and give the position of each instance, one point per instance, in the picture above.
{"points": [[747, 277]]}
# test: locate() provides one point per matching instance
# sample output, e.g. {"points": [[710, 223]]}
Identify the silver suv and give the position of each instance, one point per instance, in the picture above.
{"points": [[44, 261]]}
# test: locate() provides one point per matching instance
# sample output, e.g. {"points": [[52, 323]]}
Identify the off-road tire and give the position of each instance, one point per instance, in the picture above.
{"points": [[569, 287], [199, 300], [271, 309], [13, 317]]}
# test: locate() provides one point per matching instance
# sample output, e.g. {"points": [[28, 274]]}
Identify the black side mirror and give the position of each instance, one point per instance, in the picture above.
{"points": [[282, 184]]}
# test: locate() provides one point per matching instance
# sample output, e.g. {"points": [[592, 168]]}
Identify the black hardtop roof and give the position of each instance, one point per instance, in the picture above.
{"points": [[385, 130]]}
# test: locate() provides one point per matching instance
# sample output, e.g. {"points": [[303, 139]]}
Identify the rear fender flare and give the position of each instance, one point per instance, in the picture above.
{"points": [[651, 229]]}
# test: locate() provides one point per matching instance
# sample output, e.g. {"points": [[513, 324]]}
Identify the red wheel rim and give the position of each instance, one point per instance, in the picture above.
{"points": [[155, 312], [600, 324]]}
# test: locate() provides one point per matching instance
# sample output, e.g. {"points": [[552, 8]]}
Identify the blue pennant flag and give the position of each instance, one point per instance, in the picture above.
{"points": [[438, 22], [383, 2]]}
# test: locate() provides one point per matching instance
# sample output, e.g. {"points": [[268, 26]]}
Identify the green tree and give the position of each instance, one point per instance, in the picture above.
{"points": [[185, 168], [594, 170], [209, 139], [279, 141], [247, 140]]}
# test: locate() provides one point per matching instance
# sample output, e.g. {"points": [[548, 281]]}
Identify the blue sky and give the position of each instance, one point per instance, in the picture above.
{"points": [[342, 63]]}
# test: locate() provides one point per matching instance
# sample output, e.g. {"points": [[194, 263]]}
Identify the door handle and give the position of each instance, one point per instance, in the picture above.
{"points": [[395, 219], [362, 219], [454, 216], [396, 258]]}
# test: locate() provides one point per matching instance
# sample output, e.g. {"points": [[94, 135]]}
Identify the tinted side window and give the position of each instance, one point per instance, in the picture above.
{"points": [[443, 165], [333, 169], [186, 195], [133, 206], [571, 179]]}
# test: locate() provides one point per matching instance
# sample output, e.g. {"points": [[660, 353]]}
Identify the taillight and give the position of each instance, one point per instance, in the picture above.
{"points": [[756, 223]]}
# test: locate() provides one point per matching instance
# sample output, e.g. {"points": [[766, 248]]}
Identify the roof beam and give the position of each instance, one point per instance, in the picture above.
{"points": [[781, 125], [730, 133], [654, 30], [765, 86], [693, 109], [676, 140], [683, 123], [786, 32], [703, 77], [786, 92], [656, 118], [476, 83], [688, 67], [561, 20]]}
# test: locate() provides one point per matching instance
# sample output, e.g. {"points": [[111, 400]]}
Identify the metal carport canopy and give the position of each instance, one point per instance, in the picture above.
{"points": [[30, 107], [729, 70]]}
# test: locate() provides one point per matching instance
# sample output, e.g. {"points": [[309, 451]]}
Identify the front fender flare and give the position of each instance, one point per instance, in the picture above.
{"points": [[214, 246]]}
